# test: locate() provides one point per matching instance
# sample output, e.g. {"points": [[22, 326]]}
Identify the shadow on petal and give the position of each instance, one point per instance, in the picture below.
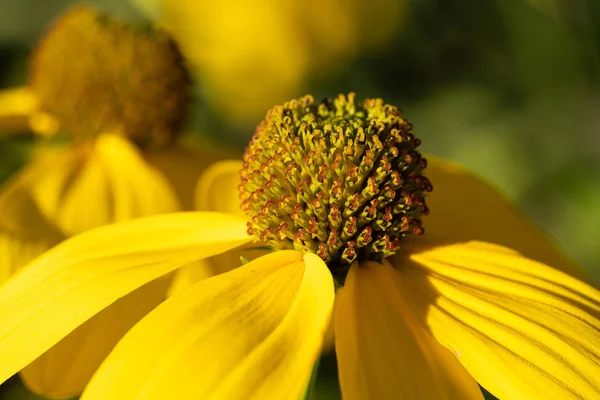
{"points": [[253, 333], [183, 164], [65, 369], [464, 208], [521, 328]]}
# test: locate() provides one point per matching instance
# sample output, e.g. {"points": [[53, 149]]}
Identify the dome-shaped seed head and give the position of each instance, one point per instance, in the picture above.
{"points": [[342, 179], [96, 74]]}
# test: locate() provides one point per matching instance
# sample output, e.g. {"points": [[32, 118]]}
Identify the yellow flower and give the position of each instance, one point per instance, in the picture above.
{"points": [[250, 55], [121, 102], [479, 295]]}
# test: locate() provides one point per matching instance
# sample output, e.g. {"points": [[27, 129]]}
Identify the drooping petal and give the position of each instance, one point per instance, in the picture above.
{"points": [[137, 188], [25, 233], [465, 208], [83, 200], [522, 329], [16, 105], [19, 208], [383, 351], [100, 183], [65, 369], [252, 333], [75, 280], [217, 189], [17, 250]]}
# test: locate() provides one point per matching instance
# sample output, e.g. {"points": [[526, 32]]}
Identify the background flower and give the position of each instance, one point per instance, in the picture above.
{"points": [[251, 55], [114, 158]]}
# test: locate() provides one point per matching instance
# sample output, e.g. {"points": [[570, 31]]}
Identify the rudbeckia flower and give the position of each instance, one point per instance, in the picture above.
{"points": [[250, 55], [119, 94], [442, 284]]}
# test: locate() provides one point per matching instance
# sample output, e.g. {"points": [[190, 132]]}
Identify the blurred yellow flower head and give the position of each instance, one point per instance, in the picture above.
{"points": [[95, 74], [251, 54]]}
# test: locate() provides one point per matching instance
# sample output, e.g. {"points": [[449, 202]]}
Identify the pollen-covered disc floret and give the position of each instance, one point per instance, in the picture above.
{"points": [[341, 179], [95, 74]]}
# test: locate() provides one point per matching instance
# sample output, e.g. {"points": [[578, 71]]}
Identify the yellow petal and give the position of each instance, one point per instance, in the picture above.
{"points": [[65, 369], [211, 266], [107, 181], [47, 178], [252, 333], [60, 290], [383, 351], [82, 202], [522, 329], [17, 250], [464, 208], [217, 189], [137, 189], [16, 105], [19, 208], [24, 232], [44, 124]]}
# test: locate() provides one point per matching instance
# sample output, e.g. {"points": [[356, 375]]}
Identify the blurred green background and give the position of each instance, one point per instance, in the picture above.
{"points": [[509, 88]]}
